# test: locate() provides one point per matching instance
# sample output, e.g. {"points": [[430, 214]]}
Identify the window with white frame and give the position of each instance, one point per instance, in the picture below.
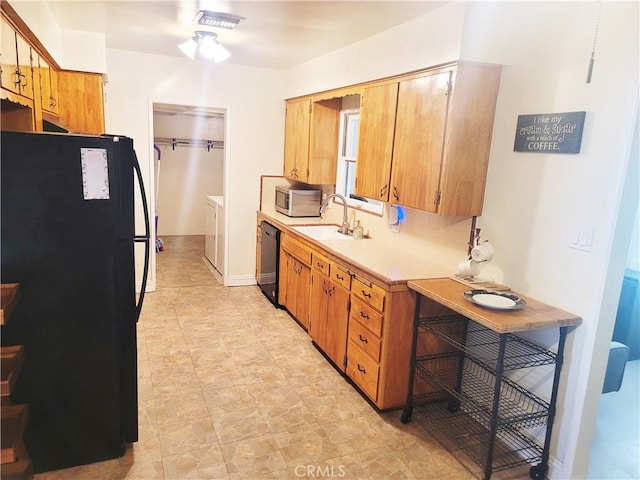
{"points": [[347, 158]]}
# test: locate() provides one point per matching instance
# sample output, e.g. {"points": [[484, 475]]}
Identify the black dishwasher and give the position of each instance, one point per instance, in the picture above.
{"points": [[269, 258]]}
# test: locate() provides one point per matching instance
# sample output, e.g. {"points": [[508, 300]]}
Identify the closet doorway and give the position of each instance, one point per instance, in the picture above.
{"points": [[188, 169]]}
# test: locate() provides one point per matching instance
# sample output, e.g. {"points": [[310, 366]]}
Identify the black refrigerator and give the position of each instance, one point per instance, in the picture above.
{"points": [[68, 233]]}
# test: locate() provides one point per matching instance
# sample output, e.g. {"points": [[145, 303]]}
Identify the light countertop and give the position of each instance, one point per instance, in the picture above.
{"points": [[391, 264]]}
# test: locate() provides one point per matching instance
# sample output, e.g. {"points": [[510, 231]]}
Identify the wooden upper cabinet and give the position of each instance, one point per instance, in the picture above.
{"points": [[375, 143], [419, 136], [17, 76], [311, 140], [25, 73], [9, 57], [33, 88], [465, 158], [323, 141], [425, 139], [81, 104], [296, 139], [48, 90]]}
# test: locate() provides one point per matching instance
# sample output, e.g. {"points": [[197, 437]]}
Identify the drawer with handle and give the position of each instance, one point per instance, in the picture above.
{"points": [[369, 292], [321, 264], [366, 340], [296, 248], [362, 370], [341, 275], [365, 314]]}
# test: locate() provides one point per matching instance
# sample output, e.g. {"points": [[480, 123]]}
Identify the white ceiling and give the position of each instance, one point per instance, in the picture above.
{"points": [[274, 34]]}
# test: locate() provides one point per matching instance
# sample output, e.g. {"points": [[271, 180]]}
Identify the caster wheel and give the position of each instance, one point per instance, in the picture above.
{"points": [[406, 417], [538, 472], [453, 406]]}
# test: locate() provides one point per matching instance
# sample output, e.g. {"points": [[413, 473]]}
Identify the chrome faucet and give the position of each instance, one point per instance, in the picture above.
{"points": [[345, 224]]}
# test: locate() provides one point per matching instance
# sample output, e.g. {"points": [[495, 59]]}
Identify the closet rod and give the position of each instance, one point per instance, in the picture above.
{"points": [[190, 142]]}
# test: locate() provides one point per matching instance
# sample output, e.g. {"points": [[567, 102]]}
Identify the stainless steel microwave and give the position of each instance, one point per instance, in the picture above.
{"points": [[298, 202]]}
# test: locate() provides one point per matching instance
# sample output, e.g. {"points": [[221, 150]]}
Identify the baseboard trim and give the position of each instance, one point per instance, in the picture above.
{"points": [[151, 286], [240, 281]]}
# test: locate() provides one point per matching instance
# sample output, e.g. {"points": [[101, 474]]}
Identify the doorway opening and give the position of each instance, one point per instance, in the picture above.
{"points": [[614, 451], [189, 170]]}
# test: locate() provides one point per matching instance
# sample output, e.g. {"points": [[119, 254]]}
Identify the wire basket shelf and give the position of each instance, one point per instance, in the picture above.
{"points": [[483, 343], [460, 431], [474, 386]]}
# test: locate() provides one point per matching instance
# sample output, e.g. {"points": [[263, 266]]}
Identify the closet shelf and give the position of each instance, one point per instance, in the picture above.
{"points": [[189, 142]]}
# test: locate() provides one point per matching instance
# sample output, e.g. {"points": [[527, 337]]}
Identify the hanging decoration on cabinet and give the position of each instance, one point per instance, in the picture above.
{"points": [[549, 132]]}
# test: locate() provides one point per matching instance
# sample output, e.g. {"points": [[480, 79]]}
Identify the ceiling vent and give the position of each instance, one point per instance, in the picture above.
{"points": [[216, 19]]}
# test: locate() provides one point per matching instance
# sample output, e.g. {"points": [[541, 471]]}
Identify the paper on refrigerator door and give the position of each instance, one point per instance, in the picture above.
{"points": [[95, 173]]}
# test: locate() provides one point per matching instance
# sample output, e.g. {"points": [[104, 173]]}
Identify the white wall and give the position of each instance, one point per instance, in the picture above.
{"points": [[534, 202], [427, 40], [188, 173], [187, 176], [254, 139], [71, 49]]}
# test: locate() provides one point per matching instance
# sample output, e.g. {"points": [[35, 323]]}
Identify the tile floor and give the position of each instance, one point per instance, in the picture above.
{"points": [[232, 388]]}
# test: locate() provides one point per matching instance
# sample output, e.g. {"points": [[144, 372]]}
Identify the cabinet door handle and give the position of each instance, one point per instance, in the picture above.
{"points": [[395, 193], [363, 339], [360, 369], [383, 190], [366, 294], [16, 75], [21, 78], [319, 265], [339, 277], [364, 315]]}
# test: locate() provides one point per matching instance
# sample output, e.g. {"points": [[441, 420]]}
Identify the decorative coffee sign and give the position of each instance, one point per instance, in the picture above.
{"points": [[549, 132]]}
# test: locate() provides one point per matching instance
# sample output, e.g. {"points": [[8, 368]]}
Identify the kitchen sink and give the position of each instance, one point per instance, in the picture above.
{"points": [[322, 232]]}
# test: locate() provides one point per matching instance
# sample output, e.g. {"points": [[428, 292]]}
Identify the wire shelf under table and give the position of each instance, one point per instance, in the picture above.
{"points": [[460, 432], [483, 343], [517, 405]]}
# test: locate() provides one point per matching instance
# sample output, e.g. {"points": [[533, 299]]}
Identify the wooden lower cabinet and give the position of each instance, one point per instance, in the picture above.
{"points": [[379, 346], [329, 309], [296, 291], [363, 370], [295, 278], [363, 325]]}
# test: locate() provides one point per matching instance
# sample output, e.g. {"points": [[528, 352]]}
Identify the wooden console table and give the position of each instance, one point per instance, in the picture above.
{"points": [[462, 365]]}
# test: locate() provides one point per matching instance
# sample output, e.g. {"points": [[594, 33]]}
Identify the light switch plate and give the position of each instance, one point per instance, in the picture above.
{"points": [[581, 240]]}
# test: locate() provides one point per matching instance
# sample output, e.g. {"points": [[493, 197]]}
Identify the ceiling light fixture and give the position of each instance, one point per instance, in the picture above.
{"points": [[216, 19], [205, 44]]}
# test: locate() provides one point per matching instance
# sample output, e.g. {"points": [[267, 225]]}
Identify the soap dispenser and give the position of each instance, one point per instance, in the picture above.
{"points": [[358, 231]]}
